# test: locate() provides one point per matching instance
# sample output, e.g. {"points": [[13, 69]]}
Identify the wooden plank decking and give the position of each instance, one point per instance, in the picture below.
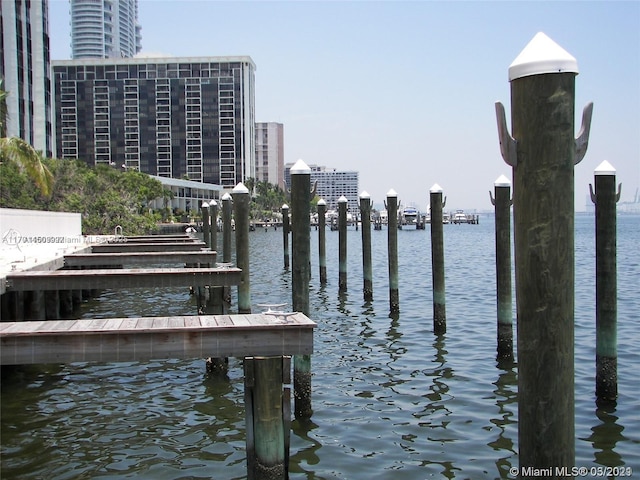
{"points": [[147, 338], [139, 258], [122, 278]]}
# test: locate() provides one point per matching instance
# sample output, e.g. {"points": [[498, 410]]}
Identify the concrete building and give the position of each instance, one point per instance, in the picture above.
{"points": [[270, 153], [104, 29], [24, 47], [189, 117], [331, 185]]}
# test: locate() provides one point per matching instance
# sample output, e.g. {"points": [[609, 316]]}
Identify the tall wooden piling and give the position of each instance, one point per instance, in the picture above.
{"points": [[502, 203], [300, 275], [322, 240], [605, 199], [226, 228], [392, 248], [437, 260], [241, 200], [367, 269], [342, 243], [543, 152], [266, 437], [285, 233], [213, 228], [205, 224]]}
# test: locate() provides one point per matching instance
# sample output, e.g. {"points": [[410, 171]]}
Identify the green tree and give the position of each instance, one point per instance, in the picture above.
{"points": [[15, 150]]}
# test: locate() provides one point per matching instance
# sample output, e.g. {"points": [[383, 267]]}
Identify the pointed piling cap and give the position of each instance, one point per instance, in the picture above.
{"points": [[322, 202], [542, 55], [213, 203], [502, 181], [285, 206], [342, 199], [436, 188], [392, 193], [226, 196], [205, 205], [240, 188], [364, 195], [300, 168], [605, 168]]}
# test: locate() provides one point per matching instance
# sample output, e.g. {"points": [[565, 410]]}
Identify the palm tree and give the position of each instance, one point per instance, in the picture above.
{"points": [[21, 153]]}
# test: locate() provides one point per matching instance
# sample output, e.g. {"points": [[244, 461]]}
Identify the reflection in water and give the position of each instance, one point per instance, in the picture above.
{"points": [[605, 436], [506, 396]]}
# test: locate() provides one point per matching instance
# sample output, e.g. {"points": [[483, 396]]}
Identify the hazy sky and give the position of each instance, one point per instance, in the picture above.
{"points": [[404, 92]]}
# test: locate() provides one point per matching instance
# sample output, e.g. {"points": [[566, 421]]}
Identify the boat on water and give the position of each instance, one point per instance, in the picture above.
{"points": [[409, 215], [460, 217]]}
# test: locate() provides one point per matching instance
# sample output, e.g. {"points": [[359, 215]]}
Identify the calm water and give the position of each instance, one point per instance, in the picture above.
{"points": [[390, 399]]}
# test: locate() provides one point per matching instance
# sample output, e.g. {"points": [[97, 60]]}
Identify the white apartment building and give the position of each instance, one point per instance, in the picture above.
{"points": [[105, 29], [270, 153]]}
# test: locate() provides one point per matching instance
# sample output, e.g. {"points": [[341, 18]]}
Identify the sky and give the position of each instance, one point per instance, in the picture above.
{"points": [[404, 92]]}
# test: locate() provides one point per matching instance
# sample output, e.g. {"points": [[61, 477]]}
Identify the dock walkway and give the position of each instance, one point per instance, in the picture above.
{"points": [[152, 338]]}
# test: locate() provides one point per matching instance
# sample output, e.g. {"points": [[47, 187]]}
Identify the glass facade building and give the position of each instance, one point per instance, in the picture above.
{"points": [[172, 117], [104, 29], [24, 67]]}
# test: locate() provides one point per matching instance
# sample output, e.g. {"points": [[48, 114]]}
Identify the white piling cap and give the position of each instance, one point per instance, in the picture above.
{"points": [[605, 168], [300, 168], [502, 181], [392, 193], [542, 55], [205, 205], [213, 203], [226, 196], [365, 195], [240, 188], [322, 202], [285, 206], [436, 188], [342, 199]]}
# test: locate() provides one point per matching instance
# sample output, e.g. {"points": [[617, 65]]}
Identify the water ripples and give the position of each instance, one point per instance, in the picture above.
{"points": [[390, 399]]}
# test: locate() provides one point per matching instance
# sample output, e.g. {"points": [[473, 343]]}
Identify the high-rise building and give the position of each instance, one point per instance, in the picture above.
{"points": [[172, 117], [104, 29], [332, 184], [270, 153], [24, 67]]}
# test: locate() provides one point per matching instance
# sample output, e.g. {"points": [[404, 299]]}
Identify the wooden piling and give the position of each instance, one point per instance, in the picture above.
{"points": [[605, 199], [265, 423], [205, 224], [226, 228], [367, 269], [300, 274], [502, 203], [213, 228], [285, 234], [543, 155], [392, 247], [342, 243], [437, 260], [322, 240], [241, 199]]}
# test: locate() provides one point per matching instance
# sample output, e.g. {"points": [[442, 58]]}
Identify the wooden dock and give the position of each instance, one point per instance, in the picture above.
{"points": [[151, 338], [148, 247], [122, 278], [139, 258]]}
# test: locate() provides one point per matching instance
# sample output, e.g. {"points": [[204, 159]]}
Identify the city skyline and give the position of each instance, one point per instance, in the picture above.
{"points": [[404, 92]]}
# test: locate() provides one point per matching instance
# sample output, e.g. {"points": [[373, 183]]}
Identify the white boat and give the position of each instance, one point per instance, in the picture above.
{"points": [[409, 216], [460, 217]]}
